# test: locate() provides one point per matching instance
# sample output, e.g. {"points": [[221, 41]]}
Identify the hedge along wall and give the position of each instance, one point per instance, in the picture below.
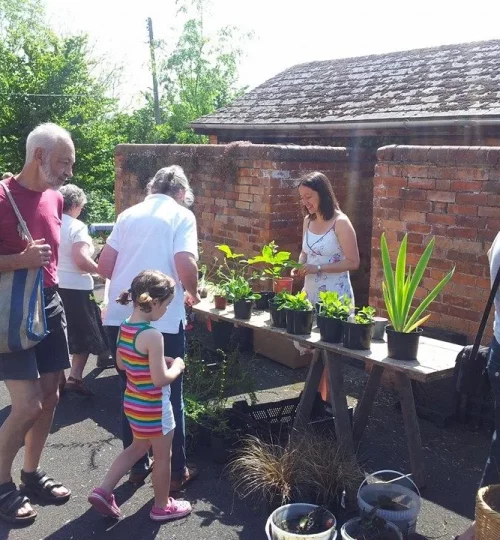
{"points": [[246, 195], [452, 193]]}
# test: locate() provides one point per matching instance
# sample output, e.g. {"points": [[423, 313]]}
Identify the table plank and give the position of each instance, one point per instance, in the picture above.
{"points": [[436, 359]]}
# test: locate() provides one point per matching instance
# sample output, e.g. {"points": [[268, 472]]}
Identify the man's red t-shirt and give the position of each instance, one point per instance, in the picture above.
{"points": [[42, 212]]}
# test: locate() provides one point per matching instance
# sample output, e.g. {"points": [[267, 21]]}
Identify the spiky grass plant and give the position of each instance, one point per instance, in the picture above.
{"points": [[310, 468], [400, 285]]}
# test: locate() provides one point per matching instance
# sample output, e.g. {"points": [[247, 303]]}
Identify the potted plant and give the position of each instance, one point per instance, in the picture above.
{"points": [[357, 329], [333, 310], [275, 262], [299, 313], [238, 291], [399, 288], [278, 316], [370, 527], [219, 292]]}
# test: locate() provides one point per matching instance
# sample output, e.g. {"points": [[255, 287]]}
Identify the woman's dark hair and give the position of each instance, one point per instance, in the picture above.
{"points": [[149, 285], [328, 203]]}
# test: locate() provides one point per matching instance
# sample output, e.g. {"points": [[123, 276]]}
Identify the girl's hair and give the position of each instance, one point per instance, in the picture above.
{"points": [[169, 181], [149, 285], [328, 203]]}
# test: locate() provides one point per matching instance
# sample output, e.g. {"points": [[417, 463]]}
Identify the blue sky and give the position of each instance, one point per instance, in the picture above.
{"points": [[286, 32]]}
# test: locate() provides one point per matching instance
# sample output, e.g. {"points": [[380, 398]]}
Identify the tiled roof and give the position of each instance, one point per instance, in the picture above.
{"points": [[441, 82]]}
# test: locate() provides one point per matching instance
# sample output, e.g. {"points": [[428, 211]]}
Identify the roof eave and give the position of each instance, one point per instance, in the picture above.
{"points": [[207, 129]]}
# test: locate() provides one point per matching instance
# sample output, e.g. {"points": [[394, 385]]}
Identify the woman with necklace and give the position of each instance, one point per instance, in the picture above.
{"points": [[329, 245]]}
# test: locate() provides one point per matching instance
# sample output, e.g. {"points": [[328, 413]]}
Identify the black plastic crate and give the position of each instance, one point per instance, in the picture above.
{"points": [[276, 419]]}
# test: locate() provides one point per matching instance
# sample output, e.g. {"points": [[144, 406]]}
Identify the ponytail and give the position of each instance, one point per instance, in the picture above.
{"points": [[124, 298]]}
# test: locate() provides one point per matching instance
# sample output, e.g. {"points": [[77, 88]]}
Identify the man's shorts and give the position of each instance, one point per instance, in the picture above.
{"points": [[48, 356]]}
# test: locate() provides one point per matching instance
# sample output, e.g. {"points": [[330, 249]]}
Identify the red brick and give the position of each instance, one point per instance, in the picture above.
{"points": [[418, 206], [421, 183], [441, 196], [407, 215], [413, 194], [462, 209], [440, 218], [472, 198], [418, 227], [443, 185], [460, 185], [489, 212]]}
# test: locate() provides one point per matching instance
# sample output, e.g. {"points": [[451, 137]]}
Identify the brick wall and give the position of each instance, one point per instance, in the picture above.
{"points": [[246, 195], [452, 193]]}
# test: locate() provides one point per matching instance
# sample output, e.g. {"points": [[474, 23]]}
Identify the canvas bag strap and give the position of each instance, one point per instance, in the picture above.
{"points": [[486, 313], [22, 223]]}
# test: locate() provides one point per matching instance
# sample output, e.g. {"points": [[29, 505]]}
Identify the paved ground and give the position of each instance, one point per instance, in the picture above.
{"points": [[84, 442]]}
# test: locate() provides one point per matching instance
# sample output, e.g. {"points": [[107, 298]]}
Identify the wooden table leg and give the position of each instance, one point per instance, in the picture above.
{"points": [[339, 401], [403, 385], [364, 406], [309, 393]]}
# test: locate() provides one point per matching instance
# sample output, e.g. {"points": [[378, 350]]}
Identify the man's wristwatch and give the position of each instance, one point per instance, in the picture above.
{"points": [[319, 268]]}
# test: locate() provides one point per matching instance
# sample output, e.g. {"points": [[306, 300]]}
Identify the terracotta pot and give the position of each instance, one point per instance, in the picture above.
{"points": [[283, 284], [220, 302]]}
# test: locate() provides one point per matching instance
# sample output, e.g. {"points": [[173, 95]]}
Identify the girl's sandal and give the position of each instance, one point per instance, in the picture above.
{"points": [[104, 503], [173, 510], [40, 484], [11, 500]]}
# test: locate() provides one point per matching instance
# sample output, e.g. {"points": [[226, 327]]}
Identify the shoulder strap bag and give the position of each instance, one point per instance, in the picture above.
{"points": [[22, 306]]}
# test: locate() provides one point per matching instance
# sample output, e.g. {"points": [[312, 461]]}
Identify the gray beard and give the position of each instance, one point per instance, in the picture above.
{"points": [[53, 181]]}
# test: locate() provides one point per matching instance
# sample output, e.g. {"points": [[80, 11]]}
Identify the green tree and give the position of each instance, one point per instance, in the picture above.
{"points": [[43, 78], [200, 75]]}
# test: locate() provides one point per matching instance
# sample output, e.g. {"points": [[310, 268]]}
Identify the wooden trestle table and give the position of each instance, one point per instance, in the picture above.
{"points": [[436, 360]]}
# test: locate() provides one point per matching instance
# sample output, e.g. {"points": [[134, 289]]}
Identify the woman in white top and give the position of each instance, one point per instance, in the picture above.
{"points": [[329, 245], [76, 287]]}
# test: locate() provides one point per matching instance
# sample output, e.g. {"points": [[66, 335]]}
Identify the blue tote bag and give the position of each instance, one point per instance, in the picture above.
{"points": [[22, 306]]}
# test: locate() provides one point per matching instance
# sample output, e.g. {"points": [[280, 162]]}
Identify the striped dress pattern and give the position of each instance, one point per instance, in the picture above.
{"points": [[142, 402]]}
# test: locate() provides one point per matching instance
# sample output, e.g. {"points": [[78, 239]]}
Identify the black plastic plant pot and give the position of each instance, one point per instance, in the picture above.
{"points": [[356, 336], [221, 334], [278, 316], [330, 329], [263, 301], [299, 322], [243, 309], [402, 345]]}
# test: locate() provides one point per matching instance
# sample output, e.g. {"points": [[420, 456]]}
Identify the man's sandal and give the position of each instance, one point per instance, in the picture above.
{"points": [[11, 500], [38, 483], [190, 474]]}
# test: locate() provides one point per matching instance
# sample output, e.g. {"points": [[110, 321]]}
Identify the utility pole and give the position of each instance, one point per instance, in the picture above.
{"points": [[153, 70]]}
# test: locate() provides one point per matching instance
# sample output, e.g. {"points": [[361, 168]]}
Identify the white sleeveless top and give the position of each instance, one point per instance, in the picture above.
{"points": [[324, 249]]}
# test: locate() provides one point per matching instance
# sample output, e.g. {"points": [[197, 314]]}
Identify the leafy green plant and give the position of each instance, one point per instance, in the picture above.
{"points": [[363, 316], [334, 306], [234, 264], [238, 288], [399, 286], [207, 390], [275, 261], [296, 302], [218, 289], [279, 298]]}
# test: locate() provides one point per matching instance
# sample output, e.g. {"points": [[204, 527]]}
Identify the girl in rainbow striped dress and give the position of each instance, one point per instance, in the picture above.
{"points": [[147, 396]]}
